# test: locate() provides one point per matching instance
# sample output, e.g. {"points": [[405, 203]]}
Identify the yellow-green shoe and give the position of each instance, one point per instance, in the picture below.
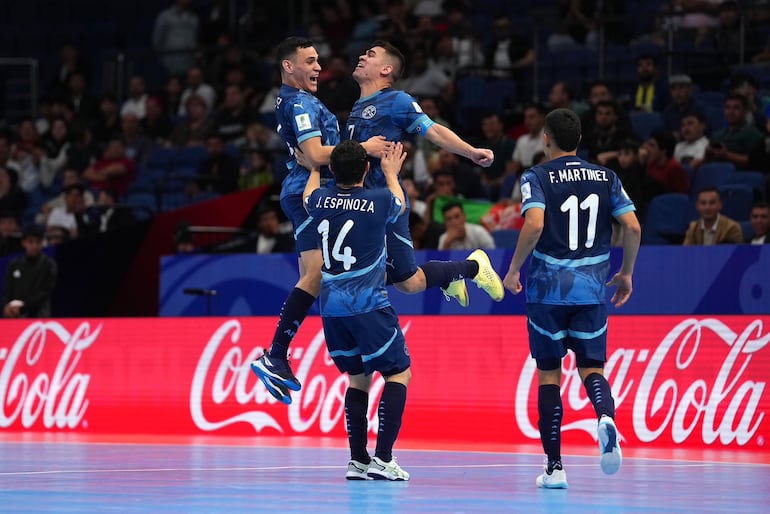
{"points": [[458, 291], [487, 278]]}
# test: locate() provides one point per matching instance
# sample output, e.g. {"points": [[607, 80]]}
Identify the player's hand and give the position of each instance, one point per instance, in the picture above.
{"points": [[483, 157], [624, 288], [512, 282], [393, 158], [303, 160], [375, 145]]}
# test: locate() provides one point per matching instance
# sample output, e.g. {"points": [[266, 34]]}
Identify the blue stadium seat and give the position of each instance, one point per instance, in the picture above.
{"points": [[500, 93], [736, 201], [505, 238], [715, 119], [711, 99], [146, 204], [711, 174], [162, 158], [190, 157], [748, 233], [470, 91], [668, 216], [754, 179], [644, 123]]}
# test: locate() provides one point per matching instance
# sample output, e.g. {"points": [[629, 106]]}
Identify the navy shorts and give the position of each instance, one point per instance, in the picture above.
{"points": [[305, 227], [554, 329], [401, 261], [368, 342]]}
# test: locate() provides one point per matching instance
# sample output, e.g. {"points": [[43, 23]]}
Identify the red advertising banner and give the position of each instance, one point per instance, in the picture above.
{"points": [[679, 382]]}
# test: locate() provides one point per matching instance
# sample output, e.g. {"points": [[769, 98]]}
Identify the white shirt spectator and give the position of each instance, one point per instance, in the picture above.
{"points": [[137, 106], [59, 217], [205, 91], [176, 30], [476, 236], [526, 148], [694, 150]]}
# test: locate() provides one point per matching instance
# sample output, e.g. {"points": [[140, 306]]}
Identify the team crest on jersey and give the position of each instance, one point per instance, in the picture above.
{"points": [[369, 112]]}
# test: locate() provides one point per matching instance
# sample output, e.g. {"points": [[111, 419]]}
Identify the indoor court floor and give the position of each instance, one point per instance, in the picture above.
{"points": [[53, 474]]}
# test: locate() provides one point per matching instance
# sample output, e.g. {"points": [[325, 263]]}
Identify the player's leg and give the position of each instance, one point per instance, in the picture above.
{"points": [[547, 348], [343, 349], [588, 339], [408, 278], [273, 367]]}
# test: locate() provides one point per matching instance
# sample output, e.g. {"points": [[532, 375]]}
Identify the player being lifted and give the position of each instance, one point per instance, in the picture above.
{"points": [[394, 115], [568, 206]]}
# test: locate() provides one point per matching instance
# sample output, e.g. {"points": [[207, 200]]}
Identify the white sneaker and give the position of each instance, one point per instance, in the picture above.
{"points": [[556, 479], [381, 470], [357, 471], [610, 456]]}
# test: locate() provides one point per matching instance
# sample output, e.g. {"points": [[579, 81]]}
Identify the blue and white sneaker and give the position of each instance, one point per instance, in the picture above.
{"points": [[357, 471], [610, 456], [553, 477], [276, 375]]}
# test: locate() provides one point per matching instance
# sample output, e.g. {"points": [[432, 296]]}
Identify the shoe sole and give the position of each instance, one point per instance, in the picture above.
{"points": [[262, 371], [482, 259], [611, 457], [377, 476], [277, 390], [553, 486]]}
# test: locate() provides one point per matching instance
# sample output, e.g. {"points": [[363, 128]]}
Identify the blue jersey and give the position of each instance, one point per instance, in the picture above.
{"points": [[390, 113], [302, 116], [351, 223], [571, 261]]}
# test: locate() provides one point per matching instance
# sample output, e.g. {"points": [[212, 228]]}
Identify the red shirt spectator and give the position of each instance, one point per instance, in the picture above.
{"points": [[658, 152], [113, 171]]}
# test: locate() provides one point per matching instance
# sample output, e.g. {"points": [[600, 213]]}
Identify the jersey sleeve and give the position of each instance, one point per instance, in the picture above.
{"points": [[311, 201], [305, 118], [532, 194], [408, 115], [620, 201], [395, 208]]}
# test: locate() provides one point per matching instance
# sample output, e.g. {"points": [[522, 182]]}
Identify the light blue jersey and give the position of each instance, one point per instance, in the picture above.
{"points": [[351, 225], [571, 261]]}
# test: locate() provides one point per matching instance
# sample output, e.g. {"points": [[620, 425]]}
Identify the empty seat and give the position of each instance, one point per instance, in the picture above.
{"points": [[668, 216], [754, 179], [711, 174], [644, 123], [736, 201]]}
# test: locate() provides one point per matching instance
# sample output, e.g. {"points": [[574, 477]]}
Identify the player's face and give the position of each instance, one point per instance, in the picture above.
{"points": [[305, 69], [371, 64]]}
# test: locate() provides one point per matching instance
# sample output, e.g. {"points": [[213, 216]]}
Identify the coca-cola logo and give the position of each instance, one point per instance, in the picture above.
{"points": [[223, 376], [28, 389], [666, 400]]}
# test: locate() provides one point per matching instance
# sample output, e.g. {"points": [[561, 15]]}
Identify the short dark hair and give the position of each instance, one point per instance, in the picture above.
{"points": [[708, 189], [739, 97], [75, 187], [695, 113], [630, 143], [760, 205], [665, 141], [391, 50], [451, 205], [289, 46], [563, 127], [348, 162]]}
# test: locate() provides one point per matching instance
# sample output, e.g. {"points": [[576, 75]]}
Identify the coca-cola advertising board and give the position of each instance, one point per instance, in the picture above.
{"points": [[687, 382]]}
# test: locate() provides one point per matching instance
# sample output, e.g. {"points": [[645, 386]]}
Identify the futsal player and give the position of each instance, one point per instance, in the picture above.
{"points": [[362, 331], [569, 204]]}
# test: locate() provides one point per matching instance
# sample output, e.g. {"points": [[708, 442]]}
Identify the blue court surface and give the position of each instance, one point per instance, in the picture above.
{"points": [[49, 476]]}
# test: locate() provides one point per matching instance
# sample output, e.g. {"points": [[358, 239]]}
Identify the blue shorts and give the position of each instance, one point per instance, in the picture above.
{"points": [[305, 227], [401, 263], [368, 342], [554, 329]]}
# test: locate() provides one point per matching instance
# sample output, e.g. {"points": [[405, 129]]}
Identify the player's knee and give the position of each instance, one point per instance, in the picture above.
{"points": [[402, 377]]}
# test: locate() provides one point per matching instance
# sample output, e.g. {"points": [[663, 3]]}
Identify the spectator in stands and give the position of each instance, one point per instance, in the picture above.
{"points": [[232, 119], [503, 149], [466, 177], [219, 172], [260, 137], [156, 125], [461, 235], [337, 89], [269, 238], [422, 80], [691, 150], [650, 93], [115, 170], [660, 165], [72, 216], [529, 144], [508, 54], [739, 139], [561, 97], [760, 224], [196, 86], [416, 204], [70, 176], [107, 124], [26, 156], [84, 107], [757, 105], [603, 140], [70, 63], [682, 102], [172, 97], [639, 186], [136, 102], [137, 145], [109, 215], [83, 150], [443, 186], [425, 232], [599, 91], [195, 127], [56, 145], [10, 237], [256, 170], [175, 36], [759, 159], [712, 227], [30, 279], [729, 36], [56, 235]]}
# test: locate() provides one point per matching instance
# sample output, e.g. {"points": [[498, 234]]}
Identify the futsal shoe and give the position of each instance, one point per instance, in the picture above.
{"points": [[553, 477], [357, 471], [458, 291], [276, 375], [381, 470], [610, 456], [487, 278]]}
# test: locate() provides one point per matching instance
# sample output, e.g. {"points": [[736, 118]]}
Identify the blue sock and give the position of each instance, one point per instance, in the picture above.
{"points": [[441, 273], [598, 390], [356, 403], [292, 315], [550, 410], [390, 412]]}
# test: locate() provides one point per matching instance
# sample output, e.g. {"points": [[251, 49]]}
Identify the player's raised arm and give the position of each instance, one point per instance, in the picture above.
{"points": [[392, 160], [445, 138], [313, 183]]}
